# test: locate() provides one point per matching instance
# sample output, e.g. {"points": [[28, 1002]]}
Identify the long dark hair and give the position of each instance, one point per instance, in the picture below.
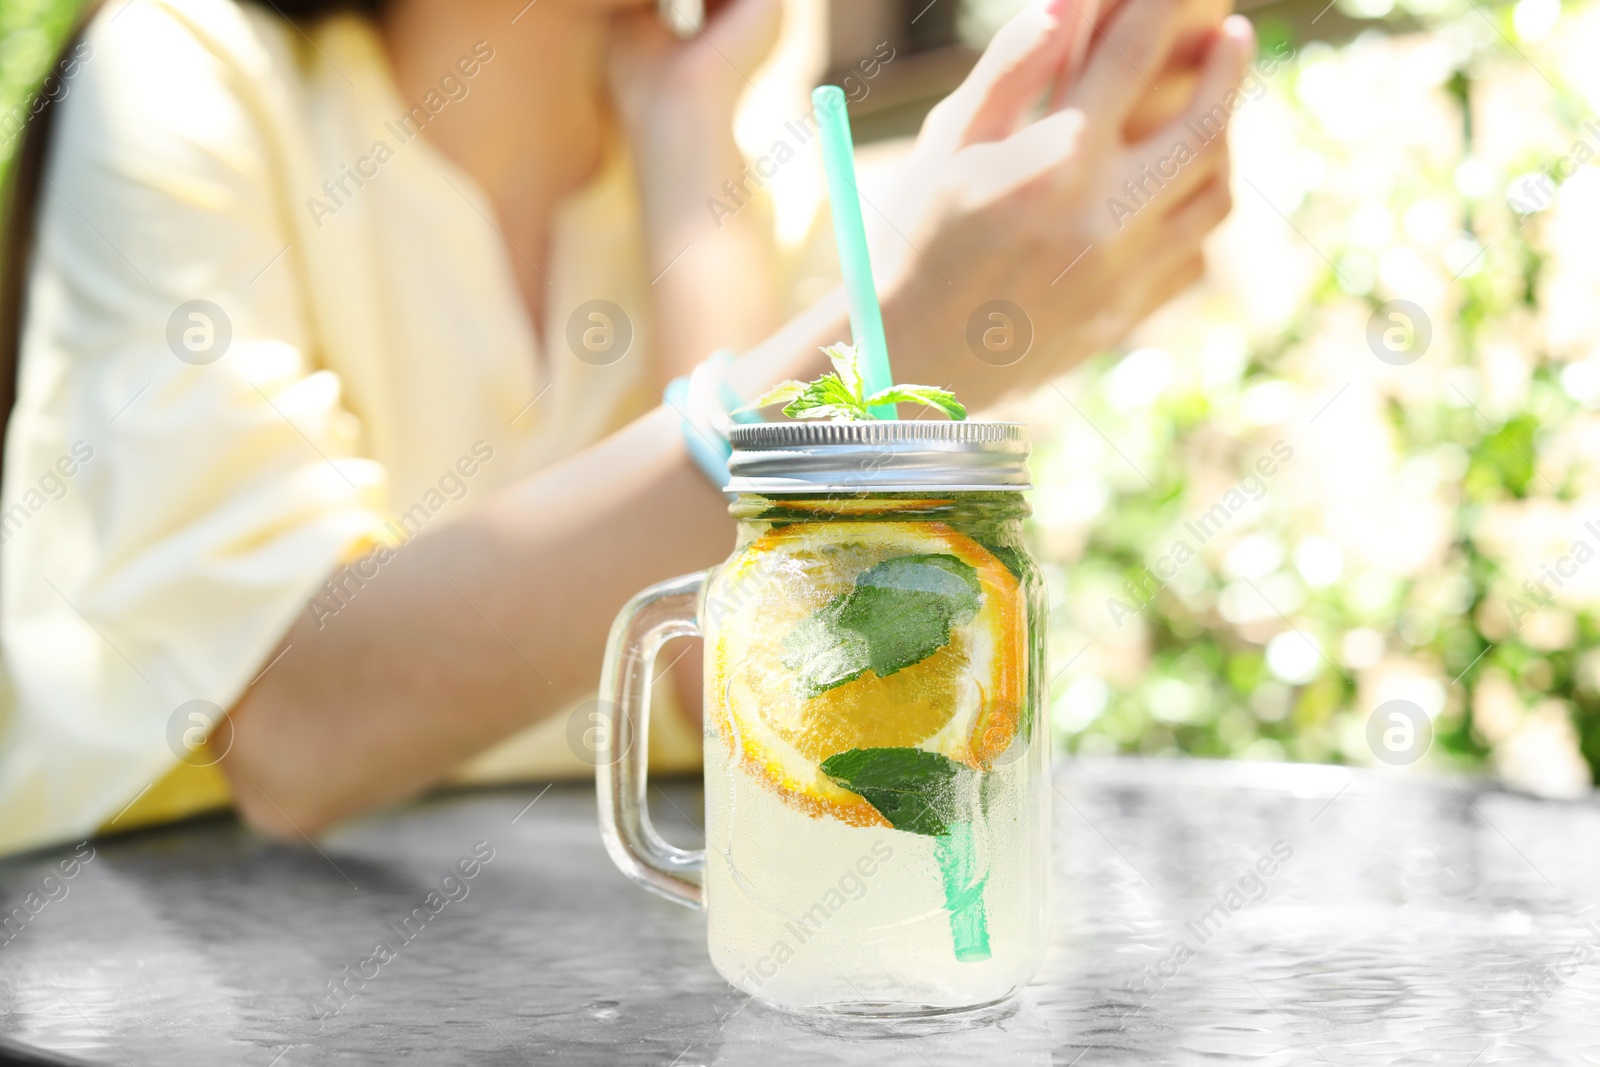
{"points": [[21, 209]]}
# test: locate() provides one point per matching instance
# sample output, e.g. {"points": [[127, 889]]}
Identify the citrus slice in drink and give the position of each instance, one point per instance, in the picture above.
{"points": [[784, 699]]}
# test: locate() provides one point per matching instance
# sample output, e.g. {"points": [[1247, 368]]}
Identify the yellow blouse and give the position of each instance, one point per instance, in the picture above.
{"points": [[267, 327]]}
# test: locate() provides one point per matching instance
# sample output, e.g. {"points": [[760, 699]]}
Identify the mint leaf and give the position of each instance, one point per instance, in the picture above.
{"points": [[841, 395], [846, 360], [919, 792], [824, 653], [821, 411], [827, 397], [927, 395], [900, 612]]}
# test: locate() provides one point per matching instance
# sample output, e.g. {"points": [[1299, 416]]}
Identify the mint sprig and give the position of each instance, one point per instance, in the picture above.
{"points": [[841, 396], [898, 613], [918, 791]]}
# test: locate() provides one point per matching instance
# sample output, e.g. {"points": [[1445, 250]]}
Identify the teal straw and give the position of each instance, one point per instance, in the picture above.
{"points": [[866, 318], [956, 853]]}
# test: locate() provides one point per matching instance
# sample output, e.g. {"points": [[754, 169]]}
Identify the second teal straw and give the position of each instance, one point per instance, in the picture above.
{"points": [[866, 318]]}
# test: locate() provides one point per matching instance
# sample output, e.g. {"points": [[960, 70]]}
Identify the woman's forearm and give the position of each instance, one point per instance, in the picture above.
{"points": [[471, 633], [714, 256]]}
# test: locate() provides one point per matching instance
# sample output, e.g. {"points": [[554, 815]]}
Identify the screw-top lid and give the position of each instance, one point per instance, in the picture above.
{"points": [[878, 457]]}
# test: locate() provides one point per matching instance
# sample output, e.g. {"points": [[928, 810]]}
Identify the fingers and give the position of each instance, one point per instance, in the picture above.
{"points": [[1088, 13], [1188, 224], [639, 36], [1184, 168], [1160, 239], [1052, 144], [746, 33], [1210, 108], [1021, 64], [1126, 58], [1169, 171]]}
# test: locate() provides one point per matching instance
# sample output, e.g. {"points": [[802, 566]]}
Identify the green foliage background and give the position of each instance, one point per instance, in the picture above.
{"points": [[1443, 157], [30, 33]]}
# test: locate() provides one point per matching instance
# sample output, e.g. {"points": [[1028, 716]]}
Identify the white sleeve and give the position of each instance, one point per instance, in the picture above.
{"points": [[169, 504]]}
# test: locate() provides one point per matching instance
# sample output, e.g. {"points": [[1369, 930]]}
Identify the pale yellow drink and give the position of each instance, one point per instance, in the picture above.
{"points": [[929, 896]]}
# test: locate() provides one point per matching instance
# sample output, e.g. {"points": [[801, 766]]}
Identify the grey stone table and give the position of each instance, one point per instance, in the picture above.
{"points": [[1401, 920]]}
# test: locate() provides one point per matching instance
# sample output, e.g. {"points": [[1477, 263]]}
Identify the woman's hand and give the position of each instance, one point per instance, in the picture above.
{"points": [[656, 76], [1035, 244], [1173, 87], [716, 286]]}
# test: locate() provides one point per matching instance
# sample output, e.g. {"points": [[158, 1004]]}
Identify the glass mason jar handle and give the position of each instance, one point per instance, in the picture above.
{"points": [[651, 619]]}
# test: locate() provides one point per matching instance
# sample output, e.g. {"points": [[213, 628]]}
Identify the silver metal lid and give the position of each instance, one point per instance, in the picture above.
{"points": [[878, 457]]}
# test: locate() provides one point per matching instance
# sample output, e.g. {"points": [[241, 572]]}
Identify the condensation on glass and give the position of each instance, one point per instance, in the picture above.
{"points": [[876, 736]]}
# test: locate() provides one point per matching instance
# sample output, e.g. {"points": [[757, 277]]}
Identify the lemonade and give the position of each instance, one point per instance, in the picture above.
{"points": [[876, 745], [875, 801]]}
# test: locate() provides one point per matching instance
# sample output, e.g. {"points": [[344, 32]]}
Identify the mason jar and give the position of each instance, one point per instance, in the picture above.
{"points": [[876, 740]]}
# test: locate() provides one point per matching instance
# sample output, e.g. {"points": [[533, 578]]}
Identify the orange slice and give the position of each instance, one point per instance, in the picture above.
{"points": [[962, 701]]}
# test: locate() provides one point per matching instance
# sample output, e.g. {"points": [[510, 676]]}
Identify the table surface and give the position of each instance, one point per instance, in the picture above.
{"points": [[1416, 920]]}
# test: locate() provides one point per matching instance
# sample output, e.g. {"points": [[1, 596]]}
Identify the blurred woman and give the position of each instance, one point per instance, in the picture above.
{"points": [[344, 352]]}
